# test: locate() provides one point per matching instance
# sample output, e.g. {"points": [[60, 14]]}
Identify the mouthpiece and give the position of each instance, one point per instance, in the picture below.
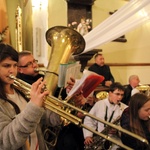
{"points": [[36, 69], [11, 76], [119, 104]]}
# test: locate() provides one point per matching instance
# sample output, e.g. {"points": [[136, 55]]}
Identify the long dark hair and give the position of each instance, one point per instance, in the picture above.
{"points": [[136, 124], [6, 51]]}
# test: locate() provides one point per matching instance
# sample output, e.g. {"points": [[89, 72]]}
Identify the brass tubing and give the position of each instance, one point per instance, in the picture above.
{"points": [[79, 122], [107, 137], [44, 70], [119, 128], [62, 113], [51, 101]]}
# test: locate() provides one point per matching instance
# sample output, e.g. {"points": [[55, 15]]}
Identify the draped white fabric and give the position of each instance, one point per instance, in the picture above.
{"points": [[126, 18]]}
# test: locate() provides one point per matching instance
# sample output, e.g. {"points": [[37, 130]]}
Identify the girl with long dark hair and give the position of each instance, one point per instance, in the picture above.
{"points": [[136, 118], [21, 120]]}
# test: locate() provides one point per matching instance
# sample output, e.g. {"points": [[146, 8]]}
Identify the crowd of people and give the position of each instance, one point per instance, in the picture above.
{"points": [[22, 119]]}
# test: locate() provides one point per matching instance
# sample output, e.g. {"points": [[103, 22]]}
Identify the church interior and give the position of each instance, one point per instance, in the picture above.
{"points": [[66, 37]]}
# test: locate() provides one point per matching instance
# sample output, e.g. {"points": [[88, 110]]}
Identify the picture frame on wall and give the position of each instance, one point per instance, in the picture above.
{"points": [[80, 17]]}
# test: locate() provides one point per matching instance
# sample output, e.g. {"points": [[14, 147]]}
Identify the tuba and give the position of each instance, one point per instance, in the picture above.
{"points": [[64, 42]]}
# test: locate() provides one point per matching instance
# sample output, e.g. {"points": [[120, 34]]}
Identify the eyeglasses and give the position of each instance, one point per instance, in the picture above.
{"points": [[118, 94], [29, 64]]}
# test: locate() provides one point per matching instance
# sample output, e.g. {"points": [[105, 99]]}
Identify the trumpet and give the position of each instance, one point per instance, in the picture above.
{"points": [[59, 106]]}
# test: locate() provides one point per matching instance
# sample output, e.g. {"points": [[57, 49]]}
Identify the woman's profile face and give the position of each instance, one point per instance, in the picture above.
{"points": [[144, 111], [7, 67]]}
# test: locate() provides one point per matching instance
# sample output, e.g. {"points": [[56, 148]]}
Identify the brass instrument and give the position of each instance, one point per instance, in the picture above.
{"points": [[64, 42], [98, 142], [144, 89], [44, 71], [102, 95], [58, 106]]}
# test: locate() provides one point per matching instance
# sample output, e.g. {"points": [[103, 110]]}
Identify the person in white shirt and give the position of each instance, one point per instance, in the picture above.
{"points": [[108, 109]]}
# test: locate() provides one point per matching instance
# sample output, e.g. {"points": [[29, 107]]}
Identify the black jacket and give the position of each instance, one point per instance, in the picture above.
{"points": [[104, 71], [127, 94], [29, 79]]}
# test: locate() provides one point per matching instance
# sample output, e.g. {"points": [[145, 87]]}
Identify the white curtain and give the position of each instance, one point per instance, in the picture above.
{"points": [[126, 18]]}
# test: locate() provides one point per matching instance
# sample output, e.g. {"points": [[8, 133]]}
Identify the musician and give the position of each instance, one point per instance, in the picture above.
{"points": [[27, 66], [21, 120], [136, 118], [70, 135], [108, 109], [130, 88], [100, 68]]}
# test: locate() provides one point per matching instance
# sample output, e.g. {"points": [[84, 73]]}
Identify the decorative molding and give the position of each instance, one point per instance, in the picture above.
{"points": [[81, 2], [120, 39], [3, 34], [124, 64], [84, 58]]}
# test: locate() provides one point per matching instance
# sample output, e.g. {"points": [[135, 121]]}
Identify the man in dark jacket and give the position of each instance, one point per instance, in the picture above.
{"points": [[27, 66], [70, 136], [100, 68]]}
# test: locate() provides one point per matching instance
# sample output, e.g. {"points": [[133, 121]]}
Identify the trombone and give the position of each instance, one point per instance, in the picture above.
{"points": [[59, 106]]}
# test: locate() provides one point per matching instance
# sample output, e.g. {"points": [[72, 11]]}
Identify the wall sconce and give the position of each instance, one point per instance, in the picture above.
{"points": [[39, 4]]}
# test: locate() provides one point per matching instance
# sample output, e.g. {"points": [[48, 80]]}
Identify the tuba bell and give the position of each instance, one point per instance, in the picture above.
{"points": [[64, 42]]}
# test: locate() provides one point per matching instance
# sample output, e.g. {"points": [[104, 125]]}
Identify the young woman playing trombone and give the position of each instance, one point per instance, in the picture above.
{"points": [[21, 120]]}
